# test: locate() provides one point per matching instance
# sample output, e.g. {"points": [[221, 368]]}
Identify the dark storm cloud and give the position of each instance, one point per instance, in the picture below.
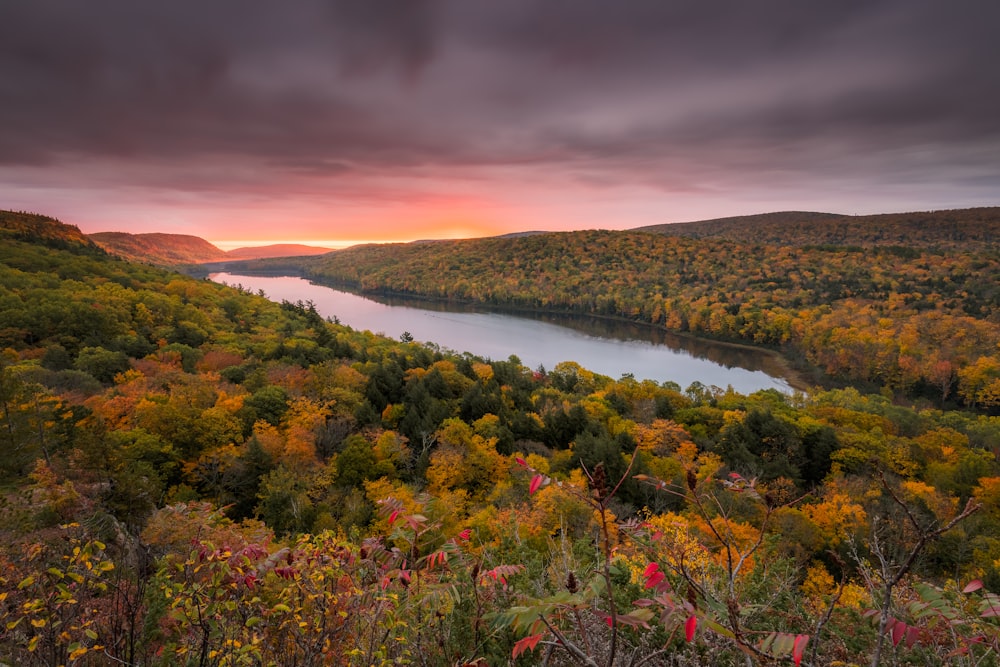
{"points": [[179, 79], [643, 91]]}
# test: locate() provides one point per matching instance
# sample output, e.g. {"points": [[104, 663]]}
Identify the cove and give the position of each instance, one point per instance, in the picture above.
{"points": [[607, 347]]}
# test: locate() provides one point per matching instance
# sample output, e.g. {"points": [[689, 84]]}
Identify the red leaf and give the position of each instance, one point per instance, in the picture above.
{"points": [[521, 462], [650, 569], [799, 648], [526, 644], [392, 517], [536, 482], [465, 534], [912, 633], [973, 586], [655, 579], [898, 630], [689, 627]]}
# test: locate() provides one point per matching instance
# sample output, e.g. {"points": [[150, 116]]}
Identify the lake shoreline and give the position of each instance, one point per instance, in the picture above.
{"points": [[784, 367], [775, 364]]}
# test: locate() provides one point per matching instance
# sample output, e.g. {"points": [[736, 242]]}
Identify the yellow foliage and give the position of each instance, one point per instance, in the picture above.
{"points": [[836, 516], [677, 548], [483, 371], [818, 585], [414, 374], [445, 470], [988, 493], [270, 438], [708, 465], [686, 453], [131, 375], [855, 596], [538, 462], [731, 417], [663, 437], [556, 509], [942, 506], [229, 403]]}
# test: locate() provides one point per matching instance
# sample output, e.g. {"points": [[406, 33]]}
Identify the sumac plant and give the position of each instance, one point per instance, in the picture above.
{"points": [[690, 592]]}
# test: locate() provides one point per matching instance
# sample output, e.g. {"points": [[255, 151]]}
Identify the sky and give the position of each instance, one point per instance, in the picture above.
{"points": [[334, 122]]}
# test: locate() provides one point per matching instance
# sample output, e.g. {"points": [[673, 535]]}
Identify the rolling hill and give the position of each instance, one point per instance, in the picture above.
{"points": [[175, 249], [276, 250], [160, 249], [951, 228]]}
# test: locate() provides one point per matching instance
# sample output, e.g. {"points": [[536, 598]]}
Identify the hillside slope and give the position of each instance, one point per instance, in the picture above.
{"points": [[960, 228], [160, 249], [43, 230]]}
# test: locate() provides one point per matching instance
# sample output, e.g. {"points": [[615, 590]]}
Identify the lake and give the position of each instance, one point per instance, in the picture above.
{"points": [[607, 347]]}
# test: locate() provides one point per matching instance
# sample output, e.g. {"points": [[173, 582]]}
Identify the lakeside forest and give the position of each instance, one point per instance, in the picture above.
{"points": [[193, 474], [842, 297]]}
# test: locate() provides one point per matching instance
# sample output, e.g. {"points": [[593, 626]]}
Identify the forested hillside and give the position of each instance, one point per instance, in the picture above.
{"points": [[961, 229], [160, 249], [916, 320], [195, 475]]}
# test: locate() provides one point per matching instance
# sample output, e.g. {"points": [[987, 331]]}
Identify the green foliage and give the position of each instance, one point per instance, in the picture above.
{"points": [[103, 365]]}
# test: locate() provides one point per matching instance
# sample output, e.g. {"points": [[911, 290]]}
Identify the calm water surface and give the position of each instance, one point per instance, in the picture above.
{"points": [[606, 347]]}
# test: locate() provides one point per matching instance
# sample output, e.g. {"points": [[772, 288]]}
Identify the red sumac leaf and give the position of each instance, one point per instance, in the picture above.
{"points": [[655, 579], [689, 627], [526, 644], [898, 630], [536, 482], [973, 586], [799, 648]]}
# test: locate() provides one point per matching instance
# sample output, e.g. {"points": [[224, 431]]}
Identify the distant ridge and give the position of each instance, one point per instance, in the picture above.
{"points": [[949, 228], [175, 249], [161, 249], [720, 225], [276, 250], [517, 235]]}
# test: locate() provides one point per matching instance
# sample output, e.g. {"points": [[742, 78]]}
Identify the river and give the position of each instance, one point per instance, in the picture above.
{"points": [[538, 339]]}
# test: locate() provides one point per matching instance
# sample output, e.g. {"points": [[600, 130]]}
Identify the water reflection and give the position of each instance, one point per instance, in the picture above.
{"points": [[724, 354], [608, 347]]}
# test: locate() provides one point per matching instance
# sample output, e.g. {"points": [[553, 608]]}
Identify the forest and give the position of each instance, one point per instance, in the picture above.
{"points": [[196, 475], [852, 308]]}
